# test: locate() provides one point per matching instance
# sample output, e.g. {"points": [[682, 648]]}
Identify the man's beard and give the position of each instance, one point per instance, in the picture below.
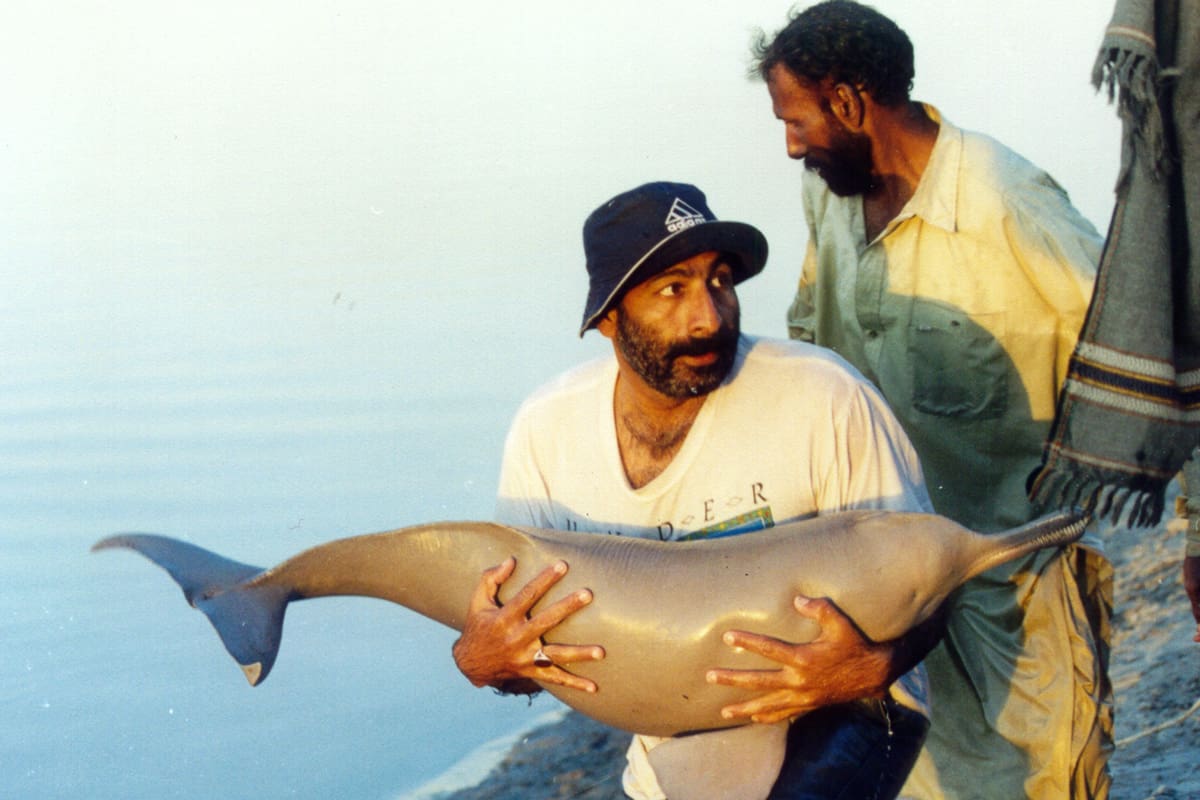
{"points": [[846, 165], [655, 360]]}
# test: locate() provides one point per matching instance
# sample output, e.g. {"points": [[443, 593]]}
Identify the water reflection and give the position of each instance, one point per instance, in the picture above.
{"points": [[258, 425]]}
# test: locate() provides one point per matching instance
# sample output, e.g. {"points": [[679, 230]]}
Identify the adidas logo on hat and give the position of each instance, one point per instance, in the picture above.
{"points": [[624, 241], [683, 216]]}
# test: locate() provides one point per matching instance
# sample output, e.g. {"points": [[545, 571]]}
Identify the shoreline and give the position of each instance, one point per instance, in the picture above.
{"points": [[475, 767], [563, 755]]}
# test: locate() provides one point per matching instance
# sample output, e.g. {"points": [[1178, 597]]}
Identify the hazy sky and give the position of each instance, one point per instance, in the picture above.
{"points": [[237, 146]]}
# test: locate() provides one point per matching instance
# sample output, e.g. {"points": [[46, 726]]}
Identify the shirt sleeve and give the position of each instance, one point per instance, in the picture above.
{"points": [[522, 496], [876, 465], [802, 314], [1058, 250]]}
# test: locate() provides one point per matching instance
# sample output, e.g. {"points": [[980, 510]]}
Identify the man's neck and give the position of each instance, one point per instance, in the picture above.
{"points": [[902, 143], [651, 428]]}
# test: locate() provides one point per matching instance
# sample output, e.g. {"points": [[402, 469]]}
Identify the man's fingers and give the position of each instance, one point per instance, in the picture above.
{"points": [[560, 654], [560, 677], [528, 595], [489, 584], [766, 646], [572, 653], [500, 641], [560, 609], [818, 609], [774, 707], [760, 679]]}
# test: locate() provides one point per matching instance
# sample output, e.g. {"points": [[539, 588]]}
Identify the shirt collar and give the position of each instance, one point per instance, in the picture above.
{"points": [[936, 197]]}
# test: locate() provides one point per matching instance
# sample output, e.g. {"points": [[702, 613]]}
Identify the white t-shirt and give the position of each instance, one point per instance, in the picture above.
{"points": [[793, 432]]}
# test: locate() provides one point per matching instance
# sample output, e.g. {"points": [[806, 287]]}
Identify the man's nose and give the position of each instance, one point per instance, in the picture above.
{"points": [[796, 148], [704, 317]]}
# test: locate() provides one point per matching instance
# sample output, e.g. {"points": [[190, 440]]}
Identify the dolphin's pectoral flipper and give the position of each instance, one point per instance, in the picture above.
{"points": [[247, 616]]}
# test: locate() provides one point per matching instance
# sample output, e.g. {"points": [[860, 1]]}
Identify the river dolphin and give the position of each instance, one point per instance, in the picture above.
{"points": [[659, 608]]}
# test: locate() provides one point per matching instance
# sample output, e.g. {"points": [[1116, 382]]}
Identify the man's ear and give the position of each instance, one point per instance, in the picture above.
{"points": [[848, 106], [607, 325]]}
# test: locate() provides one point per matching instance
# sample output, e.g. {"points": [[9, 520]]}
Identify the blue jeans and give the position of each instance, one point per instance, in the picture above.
{"points": [[856, 751]]}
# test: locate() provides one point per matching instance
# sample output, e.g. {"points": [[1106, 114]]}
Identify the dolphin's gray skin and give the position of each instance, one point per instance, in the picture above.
{"points": [[659, 611]]}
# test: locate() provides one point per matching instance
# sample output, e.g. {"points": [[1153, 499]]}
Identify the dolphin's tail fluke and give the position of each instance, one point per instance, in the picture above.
{"points": [[1050, 531], [247, 614]]}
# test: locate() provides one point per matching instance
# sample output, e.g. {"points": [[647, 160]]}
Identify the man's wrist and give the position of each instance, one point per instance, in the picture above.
{"points": [[471, 668]]}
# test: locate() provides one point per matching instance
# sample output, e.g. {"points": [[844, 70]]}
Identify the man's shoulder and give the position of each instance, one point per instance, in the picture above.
{"points": [[804, 389], [990, 164], [998, 184], [788, 360], [581, 382]]}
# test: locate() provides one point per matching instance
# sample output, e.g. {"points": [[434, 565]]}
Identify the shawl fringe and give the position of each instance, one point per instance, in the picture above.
{"points": [[1114, 447], [1136, 501], [1132, 77]]}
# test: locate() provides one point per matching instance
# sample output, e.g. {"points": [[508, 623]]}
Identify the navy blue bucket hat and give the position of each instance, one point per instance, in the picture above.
{"points": [[639, 233]]}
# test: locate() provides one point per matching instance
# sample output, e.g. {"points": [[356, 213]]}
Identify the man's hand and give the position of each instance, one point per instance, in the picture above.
{"points": [[1191, 582], [838, 666], [499, 642]]}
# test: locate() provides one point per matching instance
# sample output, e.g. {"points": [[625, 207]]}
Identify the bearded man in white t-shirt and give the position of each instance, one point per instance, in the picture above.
{"points": [[692, 430]]}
